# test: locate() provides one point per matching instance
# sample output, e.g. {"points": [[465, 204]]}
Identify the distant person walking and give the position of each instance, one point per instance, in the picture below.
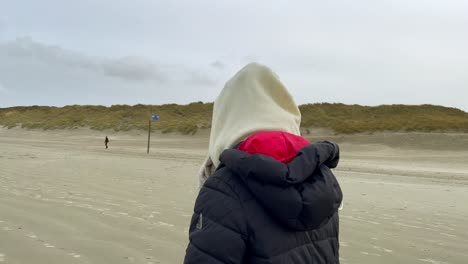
{"points": [[267, 195], [106, 141]]}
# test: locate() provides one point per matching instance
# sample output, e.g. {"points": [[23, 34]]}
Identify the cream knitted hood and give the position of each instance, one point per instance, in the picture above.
{"points": [[253, 100]]}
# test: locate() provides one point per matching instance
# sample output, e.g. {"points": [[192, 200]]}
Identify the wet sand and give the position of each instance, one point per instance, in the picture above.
{"points": [[65, 199]]}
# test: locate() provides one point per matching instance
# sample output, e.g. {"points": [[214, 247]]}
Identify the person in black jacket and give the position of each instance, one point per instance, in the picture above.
{"points": [[267, 195], [106, 141]]}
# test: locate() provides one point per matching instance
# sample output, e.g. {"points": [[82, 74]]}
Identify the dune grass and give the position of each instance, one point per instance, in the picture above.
{"points": [[350, 119], [187, 119]]}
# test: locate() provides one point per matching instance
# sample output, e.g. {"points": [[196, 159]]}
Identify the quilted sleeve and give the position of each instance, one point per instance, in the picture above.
{"points": [[218, 227]]}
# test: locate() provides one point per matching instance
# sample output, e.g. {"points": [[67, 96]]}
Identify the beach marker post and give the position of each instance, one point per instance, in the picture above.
{"points": [[153, 118]]}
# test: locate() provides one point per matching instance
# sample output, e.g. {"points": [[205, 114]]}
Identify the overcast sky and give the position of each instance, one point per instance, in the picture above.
{"points": [[57, 52]]}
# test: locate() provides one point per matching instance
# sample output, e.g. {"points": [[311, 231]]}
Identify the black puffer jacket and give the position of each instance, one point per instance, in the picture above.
{"points": [[255, 209]]}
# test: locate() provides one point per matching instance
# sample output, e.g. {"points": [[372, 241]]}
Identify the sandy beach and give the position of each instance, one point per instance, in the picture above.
{"points": [[64, 198]]}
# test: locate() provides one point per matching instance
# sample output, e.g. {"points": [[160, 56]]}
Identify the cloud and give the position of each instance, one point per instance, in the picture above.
{"points": [[218, 65], [363, 51], [133, 68], [198, 78], [51, 75], [127, 68]]}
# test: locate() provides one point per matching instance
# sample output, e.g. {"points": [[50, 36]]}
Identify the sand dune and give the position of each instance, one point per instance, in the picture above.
{"points": [[65, 199]]}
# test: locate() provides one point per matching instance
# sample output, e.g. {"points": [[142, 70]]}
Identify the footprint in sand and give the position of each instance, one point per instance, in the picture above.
{"points": [[165, 224], [33, 236], [448, 235], [130, 259], [370, 254], [433, 261], [383, 249], [74, 255], [151, 260]]}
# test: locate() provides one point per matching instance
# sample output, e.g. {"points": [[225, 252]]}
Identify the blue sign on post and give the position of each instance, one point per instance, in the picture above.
{"points": [[153, 118]]}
